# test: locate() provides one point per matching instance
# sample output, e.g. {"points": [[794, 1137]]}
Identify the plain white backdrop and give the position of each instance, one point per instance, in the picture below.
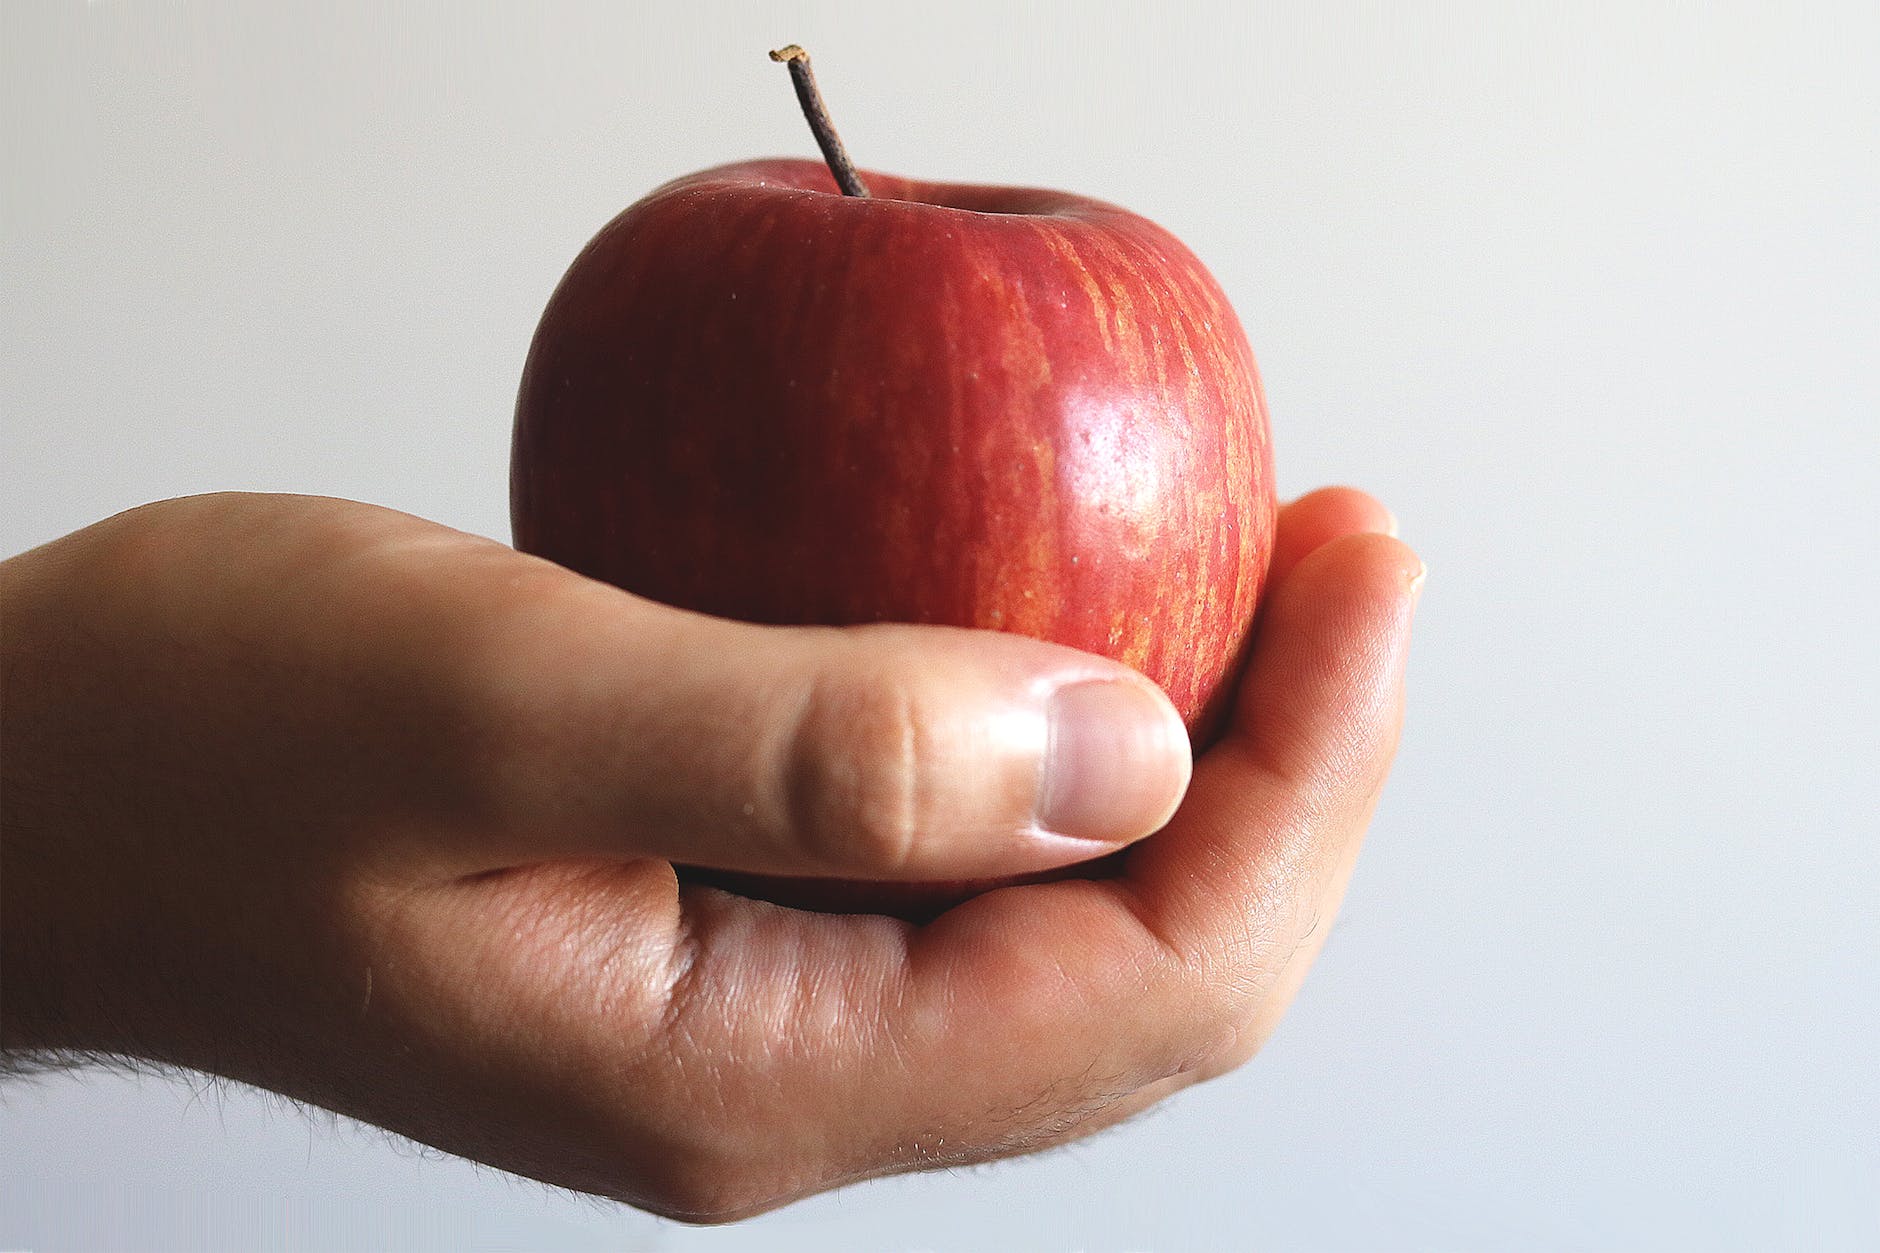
{"points": [[1589, 294]]}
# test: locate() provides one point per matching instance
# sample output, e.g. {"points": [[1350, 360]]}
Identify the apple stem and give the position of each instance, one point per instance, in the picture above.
{"points": [[818, 117]]}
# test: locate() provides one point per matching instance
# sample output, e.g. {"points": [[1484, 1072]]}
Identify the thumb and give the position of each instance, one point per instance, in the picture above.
{"points": [[875, 752]]}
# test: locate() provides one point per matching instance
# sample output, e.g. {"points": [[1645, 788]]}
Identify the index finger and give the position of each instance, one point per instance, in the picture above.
{"points": [[1255, 860]]}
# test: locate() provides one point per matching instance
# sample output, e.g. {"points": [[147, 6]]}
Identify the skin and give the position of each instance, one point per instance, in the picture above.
{"points": [[341, 803]]}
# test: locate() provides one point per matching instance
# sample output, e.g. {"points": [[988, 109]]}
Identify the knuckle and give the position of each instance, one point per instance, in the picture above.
{"points": [[862, 773], [1216, 987], [707, 1179], [513, 734], [698, 1191]]}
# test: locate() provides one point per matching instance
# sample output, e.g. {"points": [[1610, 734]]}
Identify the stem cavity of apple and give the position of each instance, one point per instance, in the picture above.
{"points": [[817, 115]]}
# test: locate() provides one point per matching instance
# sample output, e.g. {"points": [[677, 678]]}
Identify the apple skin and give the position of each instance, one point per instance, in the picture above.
{"points": [[993, 407]]}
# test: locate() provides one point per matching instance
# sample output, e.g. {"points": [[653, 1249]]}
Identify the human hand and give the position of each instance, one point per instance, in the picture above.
{"points": [[331, 800]]}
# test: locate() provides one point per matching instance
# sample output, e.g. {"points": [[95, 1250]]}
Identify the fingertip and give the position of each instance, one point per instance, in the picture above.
{"points": [[1117, 761], [1373, 562], [1320, 517], [1354, 508], [1354, 586]]}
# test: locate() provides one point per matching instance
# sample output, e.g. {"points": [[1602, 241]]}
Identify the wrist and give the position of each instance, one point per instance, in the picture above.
{"points": [[61, 875], [29, 980]]}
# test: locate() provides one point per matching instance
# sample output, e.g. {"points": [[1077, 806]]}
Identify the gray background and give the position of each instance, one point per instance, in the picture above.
{"points": [[1590, 294]]}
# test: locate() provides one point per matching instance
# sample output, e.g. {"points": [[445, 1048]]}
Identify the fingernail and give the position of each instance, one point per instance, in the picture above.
{"points": [[1390, 524], [1116, 762], [1416, 580]]}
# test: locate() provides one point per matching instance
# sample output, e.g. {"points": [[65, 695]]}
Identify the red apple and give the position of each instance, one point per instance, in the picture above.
{"points": [[757, 397]]}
